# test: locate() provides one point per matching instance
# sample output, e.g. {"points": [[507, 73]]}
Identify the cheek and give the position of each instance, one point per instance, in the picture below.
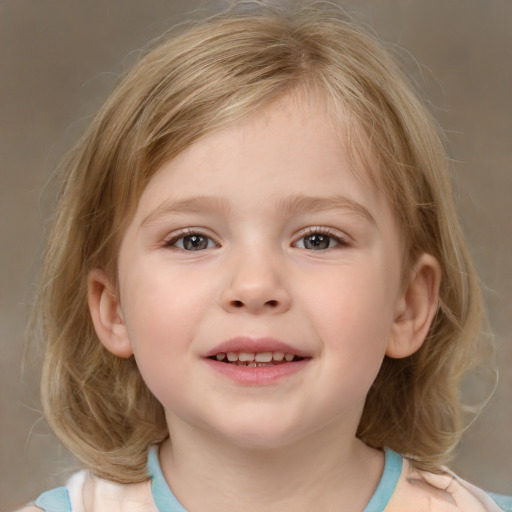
{"points": [[160, 325], [159, 307], [354, 320], [356, 305]]}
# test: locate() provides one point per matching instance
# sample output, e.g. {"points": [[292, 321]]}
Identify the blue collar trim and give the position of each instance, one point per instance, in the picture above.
{"points": [[167, 502]]}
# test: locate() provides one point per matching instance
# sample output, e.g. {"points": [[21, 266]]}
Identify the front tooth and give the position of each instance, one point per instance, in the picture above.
{"points": [[245, 356], [289, 357], [278, 356], [232, 357], [263, 357]]}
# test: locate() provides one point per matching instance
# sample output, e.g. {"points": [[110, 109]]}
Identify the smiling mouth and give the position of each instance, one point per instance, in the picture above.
{"points": [[255, 360]]}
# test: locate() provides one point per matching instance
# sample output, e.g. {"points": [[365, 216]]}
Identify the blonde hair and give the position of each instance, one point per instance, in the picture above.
{"points": [[197, 79]]}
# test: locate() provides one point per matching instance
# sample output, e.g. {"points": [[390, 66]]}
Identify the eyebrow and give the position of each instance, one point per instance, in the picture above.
{"points": [[303, 203], [287, 205], [190, 205]]}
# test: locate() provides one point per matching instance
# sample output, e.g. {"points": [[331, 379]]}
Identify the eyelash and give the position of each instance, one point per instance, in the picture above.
{"points": [[171, 242], [325, 232], [309, 232]]}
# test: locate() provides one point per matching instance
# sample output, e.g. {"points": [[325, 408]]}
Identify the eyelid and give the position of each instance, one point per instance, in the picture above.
{"points": [[340, 237], [171, 239]]}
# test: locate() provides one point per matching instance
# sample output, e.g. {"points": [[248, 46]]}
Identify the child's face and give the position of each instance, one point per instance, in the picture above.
{"points": [[260, 238]]}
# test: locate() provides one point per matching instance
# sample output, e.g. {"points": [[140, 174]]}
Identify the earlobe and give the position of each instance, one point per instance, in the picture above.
{"points": [[106, 314], [416, 308]]}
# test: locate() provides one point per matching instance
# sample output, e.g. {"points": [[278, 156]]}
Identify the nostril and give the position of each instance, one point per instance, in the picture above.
{"points": [[240, 304]]}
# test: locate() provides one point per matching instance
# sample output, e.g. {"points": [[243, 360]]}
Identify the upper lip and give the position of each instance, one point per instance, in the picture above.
{"points": [[254, 346]]}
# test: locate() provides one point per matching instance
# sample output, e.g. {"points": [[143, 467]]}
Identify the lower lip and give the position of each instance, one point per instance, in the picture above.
{"points": [[259, 375]]}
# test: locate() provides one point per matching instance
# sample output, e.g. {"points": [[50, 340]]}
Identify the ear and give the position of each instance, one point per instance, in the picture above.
{"points": [[416, 308], [106, 314]]}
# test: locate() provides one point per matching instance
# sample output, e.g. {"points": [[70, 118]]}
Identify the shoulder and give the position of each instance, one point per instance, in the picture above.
{"points": [[86, 493], [55, 500], [445, 492]]}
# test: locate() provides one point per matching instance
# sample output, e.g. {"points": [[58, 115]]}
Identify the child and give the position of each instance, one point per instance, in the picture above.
{"points": [[256, 290]]}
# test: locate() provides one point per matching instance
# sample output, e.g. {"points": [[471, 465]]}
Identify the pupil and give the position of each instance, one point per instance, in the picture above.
{"points": [[195, 242], [316, 242]]}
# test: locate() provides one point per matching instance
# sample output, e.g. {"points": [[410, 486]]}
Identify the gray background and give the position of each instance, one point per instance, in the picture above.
{"points": [[60, 59]]}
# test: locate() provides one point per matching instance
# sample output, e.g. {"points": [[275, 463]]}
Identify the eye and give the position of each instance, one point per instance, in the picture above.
{"points": [[191, 242], [318, 240]]}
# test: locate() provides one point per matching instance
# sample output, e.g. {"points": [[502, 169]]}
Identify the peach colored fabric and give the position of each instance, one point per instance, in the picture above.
{"points": [[420, 491], [416, 491]]}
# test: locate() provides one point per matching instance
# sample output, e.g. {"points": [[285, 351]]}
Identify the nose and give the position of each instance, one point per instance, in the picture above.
{"points": [[256, 284]]}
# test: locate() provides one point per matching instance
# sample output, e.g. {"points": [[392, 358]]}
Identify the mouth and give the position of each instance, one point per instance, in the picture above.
{"points": [[256, 359]]}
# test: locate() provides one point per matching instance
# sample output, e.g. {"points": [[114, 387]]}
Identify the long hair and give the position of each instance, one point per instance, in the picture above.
{"points": [[197, 79]]}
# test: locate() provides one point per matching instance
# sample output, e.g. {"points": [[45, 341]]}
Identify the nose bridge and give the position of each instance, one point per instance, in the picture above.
{"points": [[256, 281]]}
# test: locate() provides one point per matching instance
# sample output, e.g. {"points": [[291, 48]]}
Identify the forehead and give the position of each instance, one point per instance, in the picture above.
{"points": [[293, 146]]}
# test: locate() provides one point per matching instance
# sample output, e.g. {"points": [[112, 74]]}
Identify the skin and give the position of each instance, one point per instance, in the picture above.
{"points": [[259, 194]]}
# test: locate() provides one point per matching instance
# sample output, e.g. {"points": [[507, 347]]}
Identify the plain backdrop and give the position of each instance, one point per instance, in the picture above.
{"points": [[59, 59]]}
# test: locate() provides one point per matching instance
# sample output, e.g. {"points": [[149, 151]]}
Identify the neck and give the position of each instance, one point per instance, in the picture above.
{"points": [[317, 473]]}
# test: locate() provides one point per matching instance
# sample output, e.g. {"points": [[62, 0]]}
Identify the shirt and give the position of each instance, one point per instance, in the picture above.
{"points": [[402, 488]]}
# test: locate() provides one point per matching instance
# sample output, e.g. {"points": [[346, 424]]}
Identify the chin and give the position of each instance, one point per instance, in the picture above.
{"points": [[261, 436]]}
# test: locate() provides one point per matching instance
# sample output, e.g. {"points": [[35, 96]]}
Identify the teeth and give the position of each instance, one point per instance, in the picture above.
{"points": [[263, 357], [278, 356], [245, 356], [242, 358]]}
